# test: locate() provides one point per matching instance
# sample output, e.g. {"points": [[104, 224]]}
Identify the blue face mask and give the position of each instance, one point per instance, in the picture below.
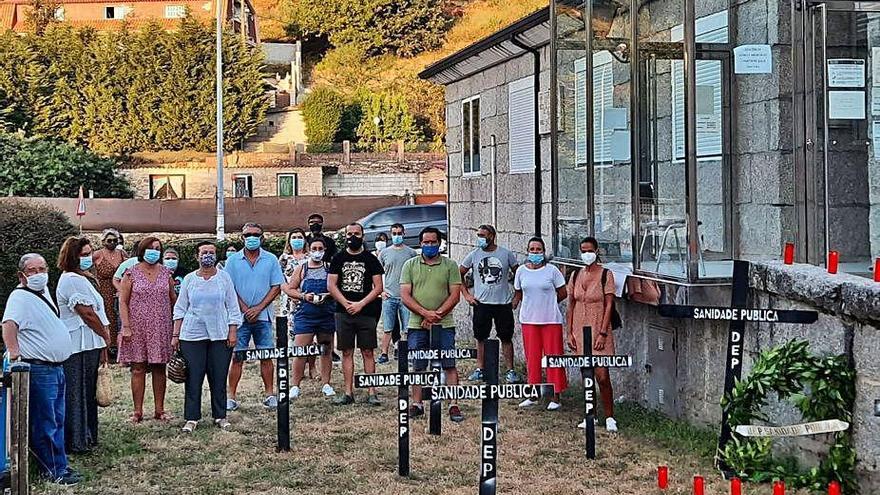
{"points": [[536, 258], [482, 243], [430, 251], [85, 263], [152, 256], [170, 264], [297, 244], [252, 243], [397, 240]]}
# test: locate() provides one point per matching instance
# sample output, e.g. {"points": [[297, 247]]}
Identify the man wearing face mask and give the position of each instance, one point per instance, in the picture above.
{"points": [[493, 267], [393, 311], [257, 278], [316, 231], [355, 282], [430, 286], [34, 333]]}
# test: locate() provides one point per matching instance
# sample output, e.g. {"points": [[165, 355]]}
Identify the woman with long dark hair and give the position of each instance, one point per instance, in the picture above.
{"points": [[82, 310], [590, 303]]}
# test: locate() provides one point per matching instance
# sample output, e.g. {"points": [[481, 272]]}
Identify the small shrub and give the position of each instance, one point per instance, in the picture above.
{"points": [[322, 112], [28, 227]]}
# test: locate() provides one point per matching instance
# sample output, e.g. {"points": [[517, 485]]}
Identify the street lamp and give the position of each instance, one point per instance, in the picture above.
{"points": [[221, 216]]}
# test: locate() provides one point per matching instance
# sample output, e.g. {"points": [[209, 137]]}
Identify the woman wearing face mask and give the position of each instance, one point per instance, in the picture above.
{"points": [[539, 288], [590, 304], [294, 255], [171, 260], [381, 243], [146, 298], [314, 317], [107, 261], [82, 310], [206, 320]]}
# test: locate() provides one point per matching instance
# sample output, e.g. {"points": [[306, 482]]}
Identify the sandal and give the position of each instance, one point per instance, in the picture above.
{"points": [[136, 417], [163, 416], [222, 423], [189, 427]]}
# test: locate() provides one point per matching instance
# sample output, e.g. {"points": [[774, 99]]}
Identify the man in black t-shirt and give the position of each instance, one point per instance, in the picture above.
{"points": [[355, 281]]}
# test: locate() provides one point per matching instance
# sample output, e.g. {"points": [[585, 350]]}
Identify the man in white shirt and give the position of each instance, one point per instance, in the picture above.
{"points": [[34, 333]]}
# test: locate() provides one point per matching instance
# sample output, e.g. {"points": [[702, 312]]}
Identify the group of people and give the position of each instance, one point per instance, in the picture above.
{"points": [[140, 310]]}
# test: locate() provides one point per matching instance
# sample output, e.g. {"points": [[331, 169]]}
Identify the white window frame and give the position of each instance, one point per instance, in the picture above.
{"points": [[278, 178], [120, 12], [514, 149], [59, 13], [175, 11], [470, 138], [249, 178], [709, 29]]}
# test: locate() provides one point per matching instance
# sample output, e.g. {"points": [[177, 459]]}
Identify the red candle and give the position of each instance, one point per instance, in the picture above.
{"points": [[833, 258], [788, 253], [663, 477], [877, 270], [834, 488], [699, 488], [779, 488], [736, 486]]}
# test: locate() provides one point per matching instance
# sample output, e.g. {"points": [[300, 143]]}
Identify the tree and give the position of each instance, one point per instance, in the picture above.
{"points": [[322, 112], [386, 119], [41, 14], [402, 27], [43, 168]]}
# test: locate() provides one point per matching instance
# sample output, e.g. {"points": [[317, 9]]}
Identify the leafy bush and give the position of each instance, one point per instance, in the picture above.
{"points": [[127, 91], [26, 227], [395, 122], [43, 168], [322, 113]]}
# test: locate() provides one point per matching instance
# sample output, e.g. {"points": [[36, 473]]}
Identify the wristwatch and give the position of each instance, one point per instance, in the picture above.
{"points": [[604, 334]]}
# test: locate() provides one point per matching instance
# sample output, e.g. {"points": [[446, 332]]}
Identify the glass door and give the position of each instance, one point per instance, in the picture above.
{"points": [[843, 93]]}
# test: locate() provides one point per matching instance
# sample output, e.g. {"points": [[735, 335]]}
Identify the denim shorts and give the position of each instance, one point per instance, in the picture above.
{"points": [[420, 339], [393, 311], [262, 333]]}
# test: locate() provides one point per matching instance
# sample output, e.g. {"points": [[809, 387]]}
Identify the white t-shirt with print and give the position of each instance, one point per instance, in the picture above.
{"points": [[539, 306]]}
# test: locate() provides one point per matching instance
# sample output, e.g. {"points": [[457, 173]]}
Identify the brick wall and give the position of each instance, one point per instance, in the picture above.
{"points": [[200, 181]]}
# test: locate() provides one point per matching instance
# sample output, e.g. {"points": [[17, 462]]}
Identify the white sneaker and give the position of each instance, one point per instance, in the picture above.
{"points": [[527, 403], [553, 406], [294, 392], [328, 390], [611, 425]]}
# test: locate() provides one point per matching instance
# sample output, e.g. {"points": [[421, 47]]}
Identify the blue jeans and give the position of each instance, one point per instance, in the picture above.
{"points": [[420, 339], [392, 309], [47, 419]]}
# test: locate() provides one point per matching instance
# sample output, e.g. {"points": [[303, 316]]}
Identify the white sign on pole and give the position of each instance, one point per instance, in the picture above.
{"points": [[752, 59], [846, 105], [846, 73]]}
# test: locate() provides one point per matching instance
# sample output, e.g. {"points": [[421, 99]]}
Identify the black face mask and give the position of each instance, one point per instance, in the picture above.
{"points": [[355, 243], [315, 228]]}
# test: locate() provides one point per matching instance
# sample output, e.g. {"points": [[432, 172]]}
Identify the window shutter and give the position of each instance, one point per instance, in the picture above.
{"points": [[521, 123]]}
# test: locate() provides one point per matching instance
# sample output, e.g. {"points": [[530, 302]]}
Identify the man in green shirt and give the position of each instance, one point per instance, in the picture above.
{"points": [[430, 286]]}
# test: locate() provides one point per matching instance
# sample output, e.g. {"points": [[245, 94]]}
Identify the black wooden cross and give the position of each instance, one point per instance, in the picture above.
{"points": [[738, 315], [489, 393], [436, 355], [587, 363], [403, 379], [281, 355]]}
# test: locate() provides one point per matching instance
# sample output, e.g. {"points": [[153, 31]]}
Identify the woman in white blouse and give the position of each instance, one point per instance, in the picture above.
{"points": [[206, 319], [82, 310]]}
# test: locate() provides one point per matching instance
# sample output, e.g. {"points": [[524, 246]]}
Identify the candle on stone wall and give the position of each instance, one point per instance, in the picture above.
{"points": [[877, 270], [788, 253], [833, 259]]}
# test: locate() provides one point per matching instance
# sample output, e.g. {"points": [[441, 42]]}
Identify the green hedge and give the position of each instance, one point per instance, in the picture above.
{"points": [[27, 227]]}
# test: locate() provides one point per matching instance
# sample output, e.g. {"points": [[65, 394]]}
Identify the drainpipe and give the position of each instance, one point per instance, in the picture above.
{"points": [[492, 171], [536, 87]]}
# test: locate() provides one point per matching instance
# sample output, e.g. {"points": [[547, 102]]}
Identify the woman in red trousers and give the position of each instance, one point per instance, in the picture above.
{"points": [[539, 289]]}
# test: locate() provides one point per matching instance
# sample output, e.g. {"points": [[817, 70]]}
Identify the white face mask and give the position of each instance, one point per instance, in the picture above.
{"points": [[588, 258], [38, 281], [317, 255], [380, 245]]}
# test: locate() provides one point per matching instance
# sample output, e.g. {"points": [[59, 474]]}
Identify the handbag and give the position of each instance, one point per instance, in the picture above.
{"points": [[616, 322], [104, 395], [177, 368]]}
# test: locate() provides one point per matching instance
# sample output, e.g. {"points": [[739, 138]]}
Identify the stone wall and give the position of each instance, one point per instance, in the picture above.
{"points": [[385, 184], [201, 182]]}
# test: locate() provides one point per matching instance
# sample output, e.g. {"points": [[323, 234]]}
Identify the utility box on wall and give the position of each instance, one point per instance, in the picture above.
{"points": [[660, 365]]}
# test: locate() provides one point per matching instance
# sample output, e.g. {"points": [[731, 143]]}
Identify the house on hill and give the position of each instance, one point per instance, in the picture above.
{"points": [[111, 16]]}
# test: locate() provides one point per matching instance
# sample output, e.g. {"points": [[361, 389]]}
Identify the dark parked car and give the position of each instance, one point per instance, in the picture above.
{"points": [[414, 219]]}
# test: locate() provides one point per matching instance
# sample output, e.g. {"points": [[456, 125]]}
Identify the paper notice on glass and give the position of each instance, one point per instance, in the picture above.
{"points": [[875, 66], [752, 59], [613, 118], [875, 101], [846, 73], [707, 118], [875, 138], [620, 147], [846, 105]]}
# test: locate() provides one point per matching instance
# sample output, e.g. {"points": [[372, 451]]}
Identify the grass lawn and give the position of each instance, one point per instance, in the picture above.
{"points": [[353, 449]]}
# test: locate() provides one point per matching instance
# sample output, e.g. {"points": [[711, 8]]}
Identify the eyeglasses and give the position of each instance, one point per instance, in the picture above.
{"points": [[252, 234], [34, 271]]}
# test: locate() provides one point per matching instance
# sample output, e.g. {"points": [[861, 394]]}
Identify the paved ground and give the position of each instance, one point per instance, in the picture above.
{"points": [[354, 450]]}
